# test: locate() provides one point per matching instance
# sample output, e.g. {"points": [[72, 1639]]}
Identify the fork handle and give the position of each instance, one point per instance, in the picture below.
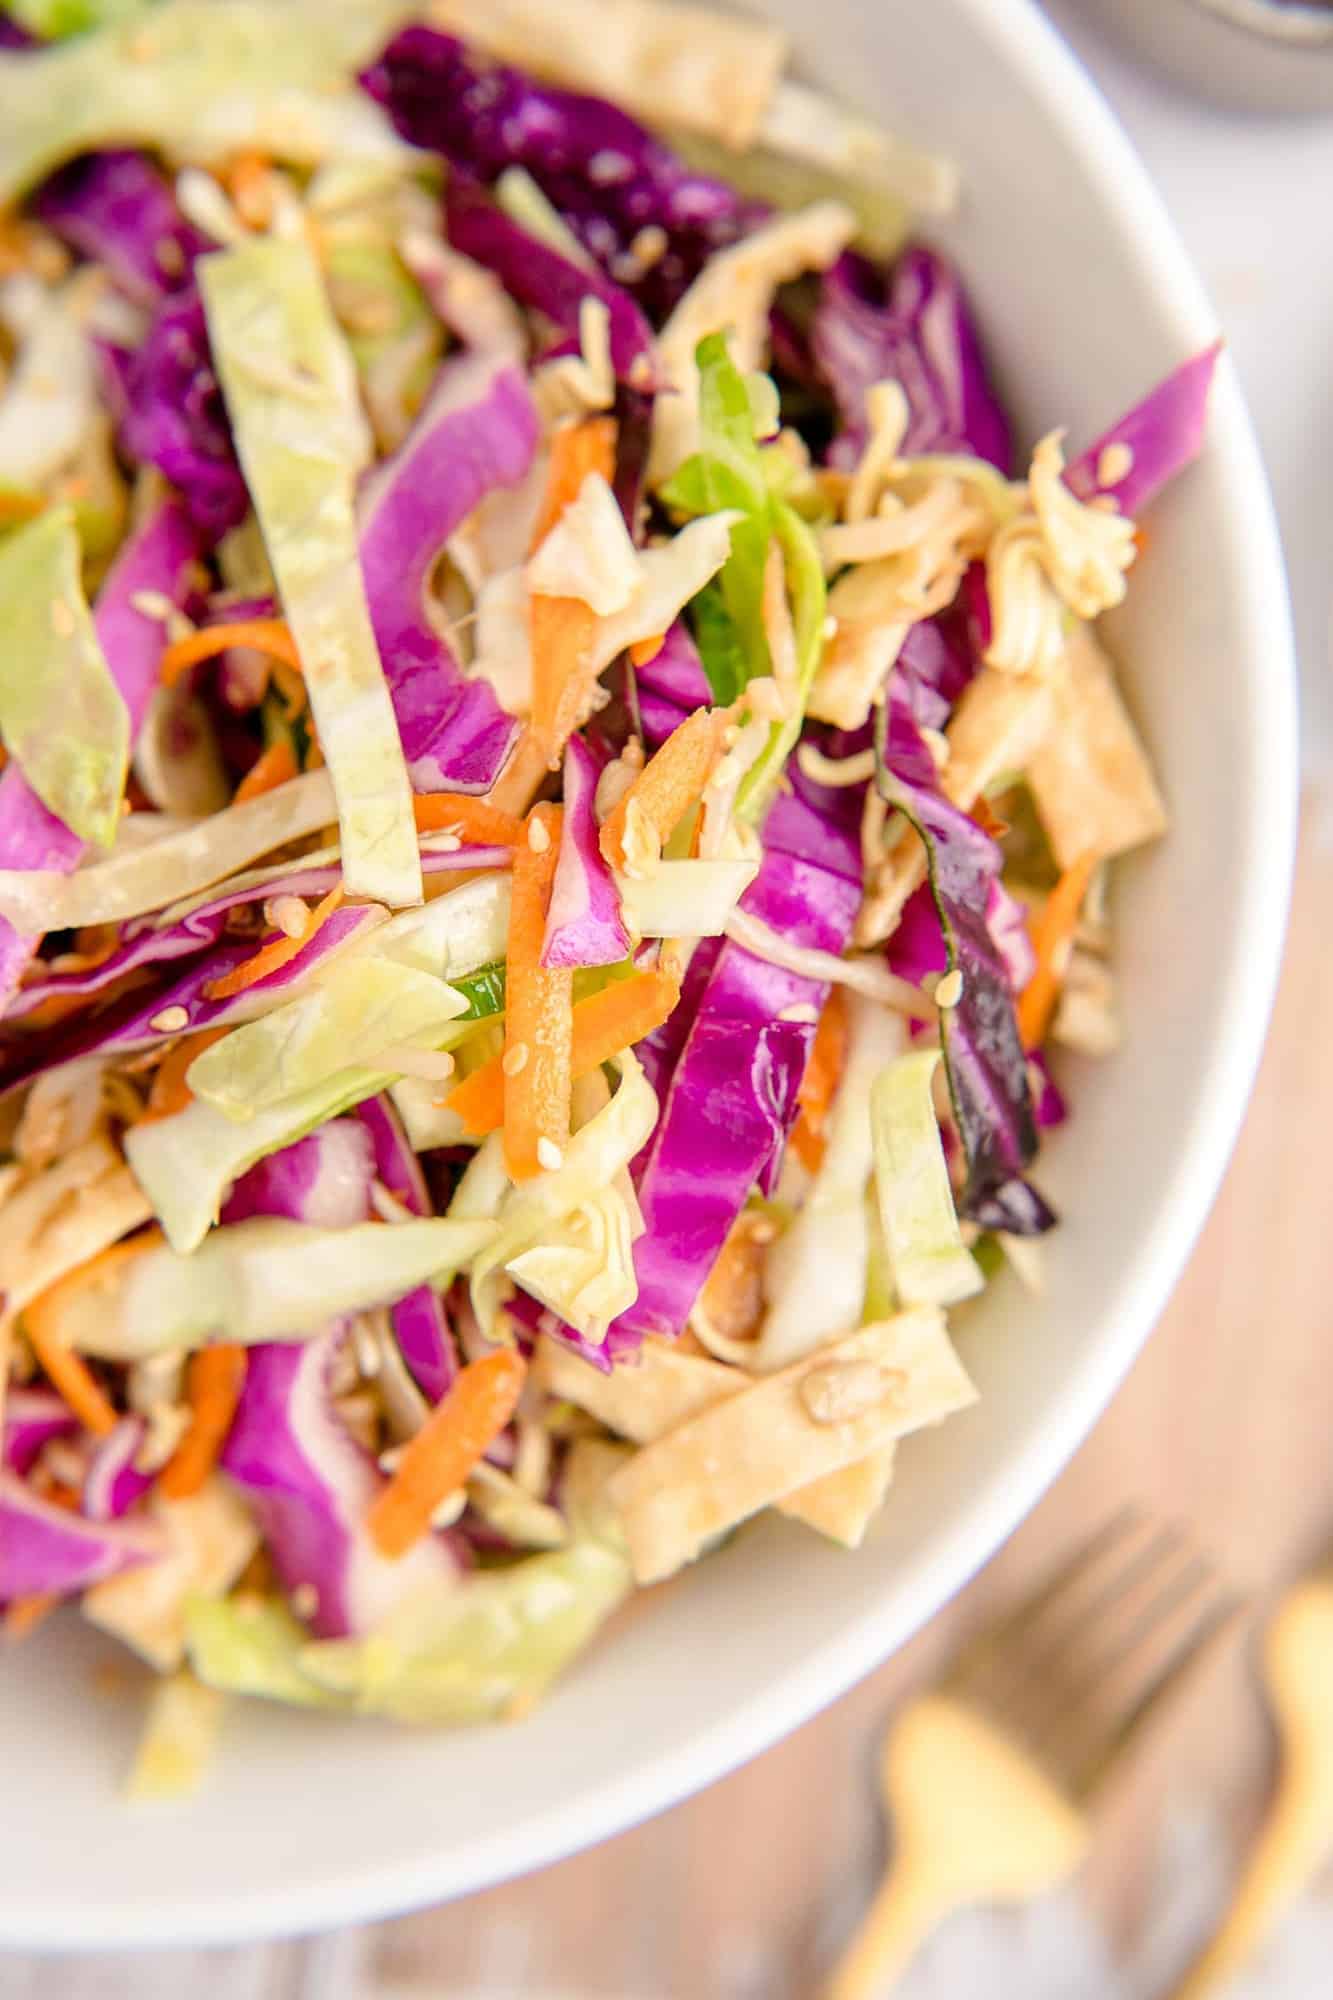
{"points": [[904, 1912], [1287, 1854]]}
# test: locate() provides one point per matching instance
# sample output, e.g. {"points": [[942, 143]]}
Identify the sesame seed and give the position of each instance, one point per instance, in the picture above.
{"points": [[538, 838], [389, 1461], [514, 1059], [800, 1011], [830, 627], [449, 1509], [449, 843], [288, 914], [151, 604], [170, 1021], [549, 1155], [1115, 462], [949, 990]]}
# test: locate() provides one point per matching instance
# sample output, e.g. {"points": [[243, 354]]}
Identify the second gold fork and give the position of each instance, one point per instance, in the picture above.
{"points": [[989, 1779]]}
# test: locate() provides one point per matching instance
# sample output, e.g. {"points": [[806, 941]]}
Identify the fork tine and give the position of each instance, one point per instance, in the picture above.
{"points": [[1076, 1669], [1180, 1664], [1029, 1655], [976, 1655]]}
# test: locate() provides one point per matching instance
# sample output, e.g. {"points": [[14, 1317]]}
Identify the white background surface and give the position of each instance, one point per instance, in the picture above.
{"points": [[1252, 196]]}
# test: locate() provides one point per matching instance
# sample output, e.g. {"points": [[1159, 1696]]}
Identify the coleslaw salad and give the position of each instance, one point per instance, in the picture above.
{"points": [[565, 626]]}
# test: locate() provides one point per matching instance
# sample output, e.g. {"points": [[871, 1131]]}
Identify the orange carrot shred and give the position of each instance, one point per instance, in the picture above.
{"points": [[472, 819], [279, 951], [819, 1084], [538, 1013], [524, 774], [265, 635], [439, 1458], [271, 768], [169, 1092], [24, 1614], [1052, 941], [603, 1024], [644, 651], [66, 1370], [576, 451], [667, 786], [213, 1383], [561, 627]]}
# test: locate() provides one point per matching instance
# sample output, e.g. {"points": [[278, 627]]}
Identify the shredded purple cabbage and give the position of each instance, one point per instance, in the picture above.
{"points": [[607, 177]]}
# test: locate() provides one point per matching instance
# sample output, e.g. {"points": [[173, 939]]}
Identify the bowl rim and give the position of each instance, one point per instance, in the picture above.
{"points": [[826, 1671]]}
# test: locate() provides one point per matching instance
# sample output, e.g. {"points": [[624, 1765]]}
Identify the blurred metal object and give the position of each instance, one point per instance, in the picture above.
{"points": [[989, 1780], [1298, 1833], [1252, 55]]}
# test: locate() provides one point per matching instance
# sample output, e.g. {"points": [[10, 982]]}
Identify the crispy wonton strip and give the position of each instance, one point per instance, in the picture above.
{"points": [[667, 1387], [827, 1411], [1091, 779]]}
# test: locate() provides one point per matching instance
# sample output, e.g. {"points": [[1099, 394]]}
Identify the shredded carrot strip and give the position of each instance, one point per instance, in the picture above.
{"points": [[538, 1013], [24, 1614], [1052, 941], [819, 1084], [667, 786], [248, 182], [473, 819], [442, 1454], [279, 951], [644, 651], [265, 635], [213, 1382], [604, 1024], [524, 774], [576, 450], [271, 768], [562, 626], [20, 506], [67, 1371], [169, 1092]]}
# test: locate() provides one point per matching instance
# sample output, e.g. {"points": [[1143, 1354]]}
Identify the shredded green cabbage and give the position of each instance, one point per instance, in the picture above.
{"points": [[931, 1265], [817, 1272], [357, 1012], [62, 717], [253, 1645], [265, 1279], [532, 1216], [290, 386], [200, 80], [486, 1648], [178, 1740]]}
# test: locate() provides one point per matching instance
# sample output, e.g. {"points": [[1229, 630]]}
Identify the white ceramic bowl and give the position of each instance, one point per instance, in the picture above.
{"points": [[1086, 298]]}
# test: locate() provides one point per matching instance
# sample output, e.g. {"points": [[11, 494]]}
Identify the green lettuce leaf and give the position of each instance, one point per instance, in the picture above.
{"points": [[730, 471], [290, 387], [931, 1265], [62, 717]]}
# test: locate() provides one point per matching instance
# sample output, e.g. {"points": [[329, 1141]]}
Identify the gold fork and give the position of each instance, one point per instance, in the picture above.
{"points": [[989, 1779], [1298, 1832]]}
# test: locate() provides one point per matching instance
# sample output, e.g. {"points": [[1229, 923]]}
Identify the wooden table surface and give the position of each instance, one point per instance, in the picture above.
{"points": [[744, 1892]]}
